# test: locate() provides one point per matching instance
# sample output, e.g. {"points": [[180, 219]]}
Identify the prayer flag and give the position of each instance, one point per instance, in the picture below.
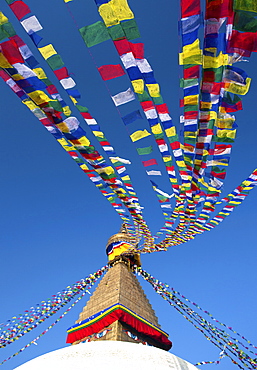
{"points": [[154, 173], [31, 24], [140, 134], [123, 97], [144, 151], [110, 71], [94, 34], [131, 117], [150, 162], [20, 9]]}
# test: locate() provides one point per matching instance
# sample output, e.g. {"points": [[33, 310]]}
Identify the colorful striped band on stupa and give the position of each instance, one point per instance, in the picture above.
{"points": [[102, 319], [115, 249]]}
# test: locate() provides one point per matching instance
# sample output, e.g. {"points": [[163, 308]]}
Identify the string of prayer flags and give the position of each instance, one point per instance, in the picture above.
{"points": [[34, 341], [23, 323], [110, 71], [229, 346], [67, 82]]}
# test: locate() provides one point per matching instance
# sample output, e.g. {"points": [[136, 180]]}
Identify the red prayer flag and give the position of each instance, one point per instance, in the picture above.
{"points": [[190, 7], [162, 108], [122, 46], [18, 41], [146, 105], [4, 75], [111, 71], [243, 41], [20, 9], [51, 89], [218, 9], [137, 49], [192, 72], [150, 162], [86, 115], [11, 52], [61, 73]]}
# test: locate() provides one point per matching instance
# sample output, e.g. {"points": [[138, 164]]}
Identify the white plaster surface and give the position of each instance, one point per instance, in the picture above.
{"points": [[107, 355]]}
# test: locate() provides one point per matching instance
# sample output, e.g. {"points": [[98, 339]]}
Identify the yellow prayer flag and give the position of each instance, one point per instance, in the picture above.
{"points": [[121, 9], [190, 134], [84, 167], [63, 127], [237, 88], [246, 183], [140, 134], [226, 133], [225, 123], [138, 86], [98, 133], [68, 148], [40, 73], [180, 163], [154, 90], [4, 62], [156, 129], [205, 105], [3, 18], [191, 100], [108, 14], [39, 97], [170, 131], [66, 111], [108, 170], [74, 101], [30, 104], [191, 54], [62, 142], [167, 158], [124, 178], [84, 141], [216, 62], [67, 1], [47, 51]]}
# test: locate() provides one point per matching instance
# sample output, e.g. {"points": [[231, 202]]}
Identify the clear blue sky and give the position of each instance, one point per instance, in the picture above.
{"points": [[55, 223]]}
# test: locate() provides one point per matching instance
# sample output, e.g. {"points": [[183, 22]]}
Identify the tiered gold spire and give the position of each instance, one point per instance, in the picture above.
{"points": [[120, 292]]}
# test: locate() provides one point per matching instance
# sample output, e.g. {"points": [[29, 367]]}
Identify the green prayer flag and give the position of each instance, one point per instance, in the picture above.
{"points": [[94, 34], [81, 108], [159, 136], [244, 22], [222, 139], [47, 81], [55, 62], [130, 29], [190, 108], [247, 5], [9, 1], [143, 97], [3, 34], [56, 105], [158, 100], [8, 28], [116, 32], [144, 151], [188, 82]]}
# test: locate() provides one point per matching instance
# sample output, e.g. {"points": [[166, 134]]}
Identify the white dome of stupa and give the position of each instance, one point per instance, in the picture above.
{"points": [[107, 355]]}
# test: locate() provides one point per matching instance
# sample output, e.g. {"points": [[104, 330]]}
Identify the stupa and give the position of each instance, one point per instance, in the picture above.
{"points": [[118, 328]]}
